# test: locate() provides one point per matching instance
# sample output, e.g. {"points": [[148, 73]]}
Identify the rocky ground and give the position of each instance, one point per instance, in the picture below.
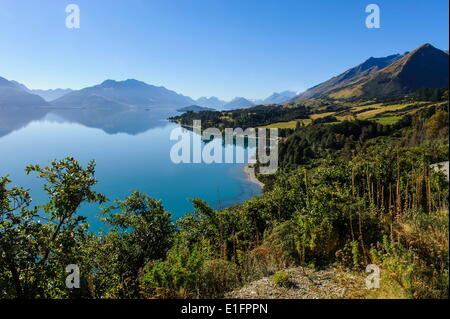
{"points": [[306, 284]]}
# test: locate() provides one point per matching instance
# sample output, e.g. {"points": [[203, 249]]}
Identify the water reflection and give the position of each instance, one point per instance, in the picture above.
{"points": [[131, 121], [15, 118]]}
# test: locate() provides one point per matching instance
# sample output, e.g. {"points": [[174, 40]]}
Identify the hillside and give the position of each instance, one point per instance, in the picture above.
{"points": [[425, 67], [366, 68], [195, 108]]}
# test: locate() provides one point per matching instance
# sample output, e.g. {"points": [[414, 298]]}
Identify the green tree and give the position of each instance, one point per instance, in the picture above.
{"points": [[34, 254], [141, 232]]}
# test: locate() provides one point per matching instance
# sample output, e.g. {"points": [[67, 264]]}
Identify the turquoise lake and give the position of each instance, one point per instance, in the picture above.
{"points": [[132, 152]]}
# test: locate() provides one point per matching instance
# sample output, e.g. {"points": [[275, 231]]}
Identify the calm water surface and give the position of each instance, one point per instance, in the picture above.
{"points": [[132, 151]]}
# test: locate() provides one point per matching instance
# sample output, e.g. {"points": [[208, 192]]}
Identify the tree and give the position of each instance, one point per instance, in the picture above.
{"points": [[142, 231], [34, 254]]}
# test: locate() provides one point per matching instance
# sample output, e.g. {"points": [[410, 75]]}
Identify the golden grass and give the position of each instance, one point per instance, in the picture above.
{"points": [[290, 124], [321, 115], [378, 108]]}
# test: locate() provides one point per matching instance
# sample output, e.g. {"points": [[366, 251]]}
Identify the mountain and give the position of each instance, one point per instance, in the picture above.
{"points": [[425, 67], [13, 94], [278, 98], [238, 102], [20, 85], [366, 68], [119, 94], [48, 95], [212, 101], [195, 108], [52, 94]]}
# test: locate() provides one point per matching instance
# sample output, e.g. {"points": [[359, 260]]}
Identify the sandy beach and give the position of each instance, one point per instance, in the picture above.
{"points": [[249, 170]]}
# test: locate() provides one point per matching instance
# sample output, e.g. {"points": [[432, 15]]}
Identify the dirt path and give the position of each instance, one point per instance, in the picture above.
{"points": [[306, 284]]}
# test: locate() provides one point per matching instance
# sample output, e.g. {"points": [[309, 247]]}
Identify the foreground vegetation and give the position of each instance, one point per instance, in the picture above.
{"points": [[347, 195]]}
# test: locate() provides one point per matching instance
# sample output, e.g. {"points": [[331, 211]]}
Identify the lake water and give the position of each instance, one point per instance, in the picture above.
{"points": [[132, 152]]}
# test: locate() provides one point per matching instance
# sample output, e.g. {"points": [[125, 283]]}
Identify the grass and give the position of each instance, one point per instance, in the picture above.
{"points": [[388, 120], [290, 124], [370, 111], [321, 115], [366, 111], [378, 108]]}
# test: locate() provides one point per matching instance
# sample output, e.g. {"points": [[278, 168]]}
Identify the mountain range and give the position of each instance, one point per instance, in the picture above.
{"points": [[237, 103], [118, 94], [277, 98], [48, 95], [126, 93], [425, 67], [211, 102], [52, 94]]}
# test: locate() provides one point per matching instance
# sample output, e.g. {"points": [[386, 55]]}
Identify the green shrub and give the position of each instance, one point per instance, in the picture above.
{"points": [[282, 279]]}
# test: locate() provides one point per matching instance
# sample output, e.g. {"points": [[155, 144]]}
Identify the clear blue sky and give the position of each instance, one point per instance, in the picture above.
{"points": [[225, 48]]}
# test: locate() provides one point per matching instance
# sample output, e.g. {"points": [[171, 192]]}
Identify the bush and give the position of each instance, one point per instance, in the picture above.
{"points": [[282, 279]]}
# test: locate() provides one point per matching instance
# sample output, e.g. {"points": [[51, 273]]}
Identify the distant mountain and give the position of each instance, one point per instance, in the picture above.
{"points": [[14, 94], [368, 67], [20, 85], [212, 101], [238, 102], [52, 94], [127, 93], [48, 95], [195, 108], [425, 67], [278, 98]]}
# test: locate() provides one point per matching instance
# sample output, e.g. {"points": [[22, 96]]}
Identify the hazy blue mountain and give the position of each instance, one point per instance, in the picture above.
{"points": [[278, 98], [195, 108], [350, 76], [238, 102], [212, 101], [127, 93], [48, 95], [257, 101], [13, 94], [52, 94], [20, 85]]}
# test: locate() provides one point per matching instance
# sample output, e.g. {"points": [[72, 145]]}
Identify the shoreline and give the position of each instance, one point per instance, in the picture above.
{"points": [[249, 171]]}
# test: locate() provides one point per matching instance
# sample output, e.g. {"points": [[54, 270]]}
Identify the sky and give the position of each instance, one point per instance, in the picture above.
{"points": [[222, 48]]}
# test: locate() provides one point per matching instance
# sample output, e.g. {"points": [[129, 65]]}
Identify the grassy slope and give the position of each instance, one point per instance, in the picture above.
{"points": [[367, 110]]}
